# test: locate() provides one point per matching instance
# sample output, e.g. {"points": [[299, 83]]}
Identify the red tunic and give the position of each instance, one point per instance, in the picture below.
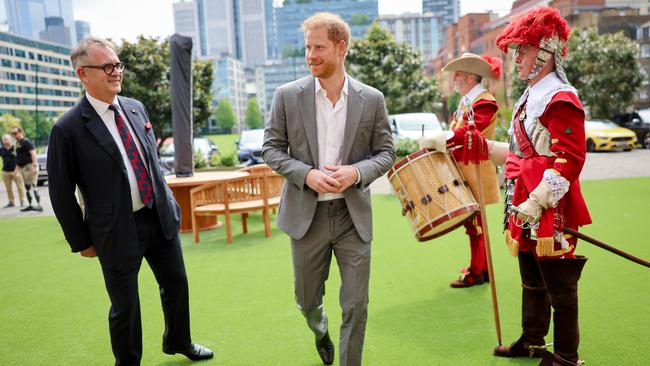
{"points": [[564, 119]]}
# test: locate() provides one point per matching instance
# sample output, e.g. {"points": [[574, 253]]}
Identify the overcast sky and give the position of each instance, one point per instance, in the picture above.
{"points": [[127, 19]]}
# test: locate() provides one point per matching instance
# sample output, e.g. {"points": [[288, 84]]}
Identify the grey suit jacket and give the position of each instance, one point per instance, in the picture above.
{"points": [[291, 149]]}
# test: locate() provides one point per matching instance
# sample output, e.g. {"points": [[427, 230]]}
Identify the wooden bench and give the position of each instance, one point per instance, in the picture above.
{"points": [[256, 192]]}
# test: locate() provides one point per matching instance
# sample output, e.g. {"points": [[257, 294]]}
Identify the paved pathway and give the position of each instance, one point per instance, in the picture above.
{"points": [[635, 163]]}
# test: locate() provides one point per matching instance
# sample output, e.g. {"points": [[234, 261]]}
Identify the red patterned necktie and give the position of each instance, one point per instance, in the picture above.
{"points": [[144, 181]]}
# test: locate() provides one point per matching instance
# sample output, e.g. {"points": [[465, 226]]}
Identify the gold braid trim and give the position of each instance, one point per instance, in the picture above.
{"points": [[513, 245], [546, 248]]}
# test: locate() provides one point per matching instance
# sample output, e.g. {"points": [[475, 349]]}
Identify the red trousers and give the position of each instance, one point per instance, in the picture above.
{"points": [[478, 260]]}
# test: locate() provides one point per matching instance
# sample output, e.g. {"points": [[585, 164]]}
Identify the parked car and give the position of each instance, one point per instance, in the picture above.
{"points": [[249, 147], [412, 125], [605, 135], [42, 167], [202, 145], [637, 121]]}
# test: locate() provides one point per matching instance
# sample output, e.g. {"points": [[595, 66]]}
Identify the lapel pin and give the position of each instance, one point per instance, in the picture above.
{"points": [[132, 110], [147, 125]]}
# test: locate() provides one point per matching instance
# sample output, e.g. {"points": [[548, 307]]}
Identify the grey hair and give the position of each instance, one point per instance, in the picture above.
{"points": [[81, 50], [6, 137]]}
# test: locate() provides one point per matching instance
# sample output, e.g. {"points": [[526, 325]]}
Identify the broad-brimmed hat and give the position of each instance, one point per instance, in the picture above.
{"points": [[485, 66]]}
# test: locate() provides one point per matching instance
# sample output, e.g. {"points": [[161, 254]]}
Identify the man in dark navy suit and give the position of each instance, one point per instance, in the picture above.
{"points": [[105, 146]]}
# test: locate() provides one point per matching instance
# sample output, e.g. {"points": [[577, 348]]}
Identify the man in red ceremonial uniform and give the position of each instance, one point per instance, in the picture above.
{"points": [[545, 157], [469, 70]]}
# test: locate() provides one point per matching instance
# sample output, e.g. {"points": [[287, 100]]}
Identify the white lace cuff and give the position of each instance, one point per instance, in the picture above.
{"points": [[557, 184]]}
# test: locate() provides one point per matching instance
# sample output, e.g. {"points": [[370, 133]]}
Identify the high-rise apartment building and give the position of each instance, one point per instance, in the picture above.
{"points": [[36, 75], [449, 10], [422, 31]]}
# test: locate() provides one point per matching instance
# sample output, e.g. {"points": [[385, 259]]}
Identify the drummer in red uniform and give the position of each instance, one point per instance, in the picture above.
{"points": [[545, 157], [469, 70]]}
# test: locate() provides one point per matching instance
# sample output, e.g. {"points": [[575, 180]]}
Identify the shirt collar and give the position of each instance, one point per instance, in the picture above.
{"points": [[542, 87], [319, 88], [100, 106], [473, 93]]}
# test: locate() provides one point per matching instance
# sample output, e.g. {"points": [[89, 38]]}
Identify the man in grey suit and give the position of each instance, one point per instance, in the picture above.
{"points": [[329, 136]]}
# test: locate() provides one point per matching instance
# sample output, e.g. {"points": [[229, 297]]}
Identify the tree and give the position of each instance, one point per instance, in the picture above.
{"points": [[395, 69], [253, 116], [7, 121], [605, 70], [202, 93], [225, 116], [147, 79], [39, 133]]}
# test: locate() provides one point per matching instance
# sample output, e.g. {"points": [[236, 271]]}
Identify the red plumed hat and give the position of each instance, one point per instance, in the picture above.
{"points": [[532, 27], [495, 64]]}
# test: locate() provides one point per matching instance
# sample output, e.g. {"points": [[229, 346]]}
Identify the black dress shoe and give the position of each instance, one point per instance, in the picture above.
{"points": [[325, 349], [194, 352]]}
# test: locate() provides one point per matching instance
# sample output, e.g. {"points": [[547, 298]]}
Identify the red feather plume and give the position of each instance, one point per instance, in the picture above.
{"points": [[533, 26], [495, 64]]}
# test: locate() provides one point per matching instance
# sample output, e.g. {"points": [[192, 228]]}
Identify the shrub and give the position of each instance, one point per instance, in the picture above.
{"points": [[405, 147], [200, 161], [228, 159]]}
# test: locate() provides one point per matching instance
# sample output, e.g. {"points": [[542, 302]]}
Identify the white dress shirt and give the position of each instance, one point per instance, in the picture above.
{"points": [[109, 120], [330, 121]]}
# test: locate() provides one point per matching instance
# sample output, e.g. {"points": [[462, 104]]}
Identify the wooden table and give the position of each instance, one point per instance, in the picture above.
{"points": [[181, 188]]}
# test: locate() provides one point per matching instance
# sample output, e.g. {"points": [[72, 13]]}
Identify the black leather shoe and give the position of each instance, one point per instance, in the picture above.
{"points": [[325, 349], [194, 352], [467, 279]]}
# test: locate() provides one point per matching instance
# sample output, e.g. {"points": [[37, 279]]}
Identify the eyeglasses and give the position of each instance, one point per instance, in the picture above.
{"points": [[108, 68], [14, 133]]}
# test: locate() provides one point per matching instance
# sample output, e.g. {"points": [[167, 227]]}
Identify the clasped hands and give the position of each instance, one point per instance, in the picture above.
{"points": [[340, 178]]}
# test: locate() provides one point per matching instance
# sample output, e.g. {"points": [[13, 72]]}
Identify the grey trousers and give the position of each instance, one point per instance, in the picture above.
{"points": [[332, 231]]}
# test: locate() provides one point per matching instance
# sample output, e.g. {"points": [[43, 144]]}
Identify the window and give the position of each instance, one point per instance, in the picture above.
{"points": [[645, 50]]}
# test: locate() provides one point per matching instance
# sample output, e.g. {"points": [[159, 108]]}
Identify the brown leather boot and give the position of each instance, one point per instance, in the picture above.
{"points": [[535, 312], [561, 277]]}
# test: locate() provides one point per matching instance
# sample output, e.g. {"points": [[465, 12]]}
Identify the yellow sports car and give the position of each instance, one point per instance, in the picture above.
{"points": [[604, 135]]}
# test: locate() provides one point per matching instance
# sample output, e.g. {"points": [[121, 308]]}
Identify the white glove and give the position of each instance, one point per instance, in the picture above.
{"points": [[546, 195], [498, 152], [436, 142]]}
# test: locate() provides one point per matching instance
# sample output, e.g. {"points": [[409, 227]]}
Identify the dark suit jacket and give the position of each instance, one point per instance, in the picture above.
{"points": [[83, 153]]}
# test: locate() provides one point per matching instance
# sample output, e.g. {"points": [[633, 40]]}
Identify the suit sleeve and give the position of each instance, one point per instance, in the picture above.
{"points": [[61, 170], [275, 149], [382, 152], [484, 110], [565, 123]]}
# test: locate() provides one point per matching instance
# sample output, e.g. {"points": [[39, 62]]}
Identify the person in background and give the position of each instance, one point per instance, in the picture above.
{"points": [[27, 164], [11, 175], [476, 101]]}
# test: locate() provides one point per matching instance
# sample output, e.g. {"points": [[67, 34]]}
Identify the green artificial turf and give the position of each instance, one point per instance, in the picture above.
{"points": [[225, 143], [53, 306]]}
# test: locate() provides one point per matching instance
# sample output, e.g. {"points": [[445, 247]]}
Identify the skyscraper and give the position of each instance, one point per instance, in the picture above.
{"points": [[449, 10], [82, 28], [186, 23], [233, 28], [48, 20], [358, 13]]}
